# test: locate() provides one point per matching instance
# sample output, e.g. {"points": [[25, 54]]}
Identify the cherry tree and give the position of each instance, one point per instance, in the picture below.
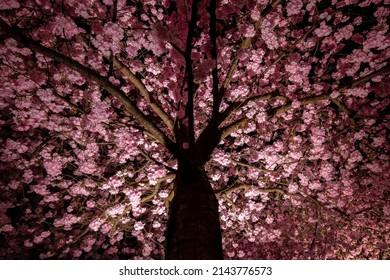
{"points": [[194, 129]]}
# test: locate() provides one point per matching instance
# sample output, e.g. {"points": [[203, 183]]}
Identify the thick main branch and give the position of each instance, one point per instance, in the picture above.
{"points": [[94, 76], [189, 112]]}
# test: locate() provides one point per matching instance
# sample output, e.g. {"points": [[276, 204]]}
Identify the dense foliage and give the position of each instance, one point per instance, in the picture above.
{"points": [[297, 93]]}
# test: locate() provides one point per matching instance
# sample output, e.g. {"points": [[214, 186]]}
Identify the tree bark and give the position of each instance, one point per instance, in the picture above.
{"points": [[194, 230]]}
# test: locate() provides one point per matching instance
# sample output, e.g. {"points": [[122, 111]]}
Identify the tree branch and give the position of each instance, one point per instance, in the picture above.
{"points": [[254, 167], [235, 105], [189, 112], [177, 48], [70, 103], [94, 76], [314, 99], [238, 186], [214, 55], [244, 45], [211, 134], [226, 130], [139, 85], [145, 93], [382, 71], [156, 161]]}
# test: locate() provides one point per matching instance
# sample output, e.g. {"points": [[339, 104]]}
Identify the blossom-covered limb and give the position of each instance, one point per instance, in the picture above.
{"points": [[145, 93], [93, 75], [245, 44]]}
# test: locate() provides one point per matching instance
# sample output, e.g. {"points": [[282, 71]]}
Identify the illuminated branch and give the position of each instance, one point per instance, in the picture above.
{"points": [[156, 161], [239, 186], [226, 130], [138, 84], [70, 103], [314, 99], [145, 93], [236, 105], [254, 167], [215, 122], [382, 71], [244, 45], [211, 135], [93, 75], [143, 199], [303, 101]]}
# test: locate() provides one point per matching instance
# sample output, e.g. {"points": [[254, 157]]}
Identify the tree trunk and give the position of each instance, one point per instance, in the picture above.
{"points": [[194, 230]]}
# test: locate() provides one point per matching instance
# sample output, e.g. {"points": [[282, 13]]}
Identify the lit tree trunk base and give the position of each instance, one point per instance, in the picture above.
{"points": [[194, 230]]}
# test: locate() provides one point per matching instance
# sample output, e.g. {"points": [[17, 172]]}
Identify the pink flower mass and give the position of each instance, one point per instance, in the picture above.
{"points": [[281, 106]]}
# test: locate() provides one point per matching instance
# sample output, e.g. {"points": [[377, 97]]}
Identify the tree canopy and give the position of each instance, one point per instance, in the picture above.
{"points": [[285, 104]]}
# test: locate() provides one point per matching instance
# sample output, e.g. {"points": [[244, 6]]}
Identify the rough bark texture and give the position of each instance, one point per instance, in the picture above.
{"points": [[194, 229]]}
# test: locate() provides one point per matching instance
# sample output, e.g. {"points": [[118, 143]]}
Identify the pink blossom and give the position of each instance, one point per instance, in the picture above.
{"points": [[77, 253], [163, 194], [96, 224], [374, 167], [298, 72], [294, 7], [378, 141], [67, 221], [359, 135], [326, 171], [88, 167], [9, 4], [54, 165], [14, 184], [222, 158], [231, 254], [113, 185], [51, 198], [79, 190], [241, 254], [106, 228], [116, 210], [90, 204], [139, 226], [292, 187], [28, 243], [38, 239], [303, 179], [215, 177], [248, 30], [344, 33], [355, 157], [318, 136], [269, 220], [315, 185], [255, 14], [64, 26], [296, 104], [109, 39], [323, 31], [348, 191], [7, 228]]}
